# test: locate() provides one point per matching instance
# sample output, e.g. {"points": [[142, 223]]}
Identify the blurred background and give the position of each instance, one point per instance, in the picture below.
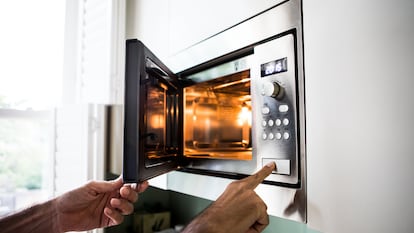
{"points": [[31, 72]]}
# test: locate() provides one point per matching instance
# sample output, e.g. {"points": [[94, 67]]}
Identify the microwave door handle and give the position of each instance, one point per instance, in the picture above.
{"points": [[155, 69], [151, 66], [161, 74], [158, 72]]}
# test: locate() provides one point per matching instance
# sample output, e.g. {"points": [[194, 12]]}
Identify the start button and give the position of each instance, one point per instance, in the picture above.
{"points": [[282, 165]]}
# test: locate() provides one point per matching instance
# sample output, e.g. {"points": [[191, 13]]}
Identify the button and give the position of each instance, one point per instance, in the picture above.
{"points": [[265, 110], [285, 121], [278, 136], [283, 108], [286, 135], [270, 123], [264, 136], [282, 165], [271, 136], [278, 122], [264, 123]]}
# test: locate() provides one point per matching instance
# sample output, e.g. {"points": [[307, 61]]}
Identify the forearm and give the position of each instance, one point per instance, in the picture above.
{"points": [[207, 222], [36, 219]]}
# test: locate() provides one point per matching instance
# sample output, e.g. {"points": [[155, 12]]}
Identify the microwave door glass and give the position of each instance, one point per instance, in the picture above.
{"points": [[152, 97]]}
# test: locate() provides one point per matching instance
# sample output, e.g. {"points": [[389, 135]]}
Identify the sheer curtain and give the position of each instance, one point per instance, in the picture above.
{"points": [[31, 62]]}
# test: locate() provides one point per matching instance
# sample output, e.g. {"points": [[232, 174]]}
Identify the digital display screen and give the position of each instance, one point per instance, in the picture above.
{"points": [[273, 67]]}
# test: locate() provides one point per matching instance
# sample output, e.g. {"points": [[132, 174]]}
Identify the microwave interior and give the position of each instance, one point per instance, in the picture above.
{"points": [[217, 135], [216, 122], [217, 118]]}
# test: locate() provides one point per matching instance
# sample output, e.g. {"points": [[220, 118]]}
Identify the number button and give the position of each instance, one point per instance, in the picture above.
{"points": [[270, 123], [278, 122], [271, 136], [278, 136]]}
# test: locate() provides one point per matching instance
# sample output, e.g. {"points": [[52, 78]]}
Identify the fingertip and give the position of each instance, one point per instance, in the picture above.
{"points": [[129, 194], [114, 184], [143, 186], [125, 191], [119, 180], [271, 165], [254, 180], [266, 170], [114, 216], [108, 212], [115, 202]]}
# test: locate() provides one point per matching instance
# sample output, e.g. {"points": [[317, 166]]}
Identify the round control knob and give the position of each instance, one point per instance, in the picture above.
{"points": [[272, 89]]}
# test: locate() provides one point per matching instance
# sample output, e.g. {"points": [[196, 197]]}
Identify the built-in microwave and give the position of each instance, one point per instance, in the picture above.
{"points": [[226, 116]]}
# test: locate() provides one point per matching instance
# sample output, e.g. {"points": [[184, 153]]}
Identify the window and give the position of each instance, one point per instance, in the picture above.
{"points": [[31, 58]]}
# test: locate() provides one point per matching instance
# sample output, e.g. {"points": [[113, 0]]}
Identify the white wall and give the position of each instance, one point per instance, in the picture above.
{"points": [[360, 109]]}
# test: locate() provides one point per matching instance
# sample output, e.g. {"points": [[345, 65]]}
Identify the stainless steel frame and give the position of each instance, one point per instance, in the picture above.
{"points": [[285, 202]]}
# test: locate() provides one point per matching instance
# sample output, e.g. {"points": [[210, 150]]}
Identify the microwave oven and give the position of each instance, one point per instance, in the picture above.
{"points": [[226, 116]]}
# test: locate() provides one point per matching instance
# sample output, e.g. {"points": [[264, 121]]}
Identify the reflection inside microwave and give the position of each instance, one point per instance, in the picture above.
{"points": [[218, 118], [161, 106], [155, 128]]}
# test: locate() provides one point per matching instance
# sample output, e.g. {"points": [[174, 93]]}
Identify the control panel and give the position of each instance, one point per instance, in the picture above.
{"points": [[274, 96]]}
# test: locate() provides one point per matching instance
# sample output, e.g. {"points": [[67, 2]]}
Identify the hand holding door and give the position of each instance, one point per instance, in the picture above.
{"points": [[238, 209], [94, 205]]}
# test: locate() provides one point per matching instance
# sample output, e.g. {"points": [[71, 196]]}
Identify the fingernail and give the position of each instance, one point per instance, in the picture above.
{"points": [[126, 192], [108, 211], [271, 164], [115, 202]]}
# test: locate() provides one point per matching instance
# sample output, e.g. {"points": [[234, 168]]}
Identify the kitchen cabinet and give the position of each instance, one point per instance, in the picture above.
{"points": [[148, 20], [359, 107], [193, 21], [169, 26]]}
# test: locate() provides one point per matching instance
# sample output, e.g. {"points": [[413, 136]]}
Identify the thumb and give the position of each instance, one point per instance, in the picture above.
{"points": [[118, 182], [107, 186]]}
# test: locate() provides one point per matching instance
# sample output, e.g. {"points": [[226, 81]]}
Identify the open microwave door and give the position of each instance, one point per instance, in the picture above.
{"points": [[153, 122]]}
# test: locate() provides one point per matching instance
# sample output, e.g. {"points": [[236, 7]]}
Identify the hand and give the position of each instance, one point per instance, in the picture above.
{"points": [[96, 204], [239, 209]]}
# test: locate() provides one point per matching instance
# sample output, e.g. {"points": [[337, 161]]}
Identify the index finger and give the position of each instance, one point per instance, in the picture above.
{"points": [[138, 187], [254, 180]]}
